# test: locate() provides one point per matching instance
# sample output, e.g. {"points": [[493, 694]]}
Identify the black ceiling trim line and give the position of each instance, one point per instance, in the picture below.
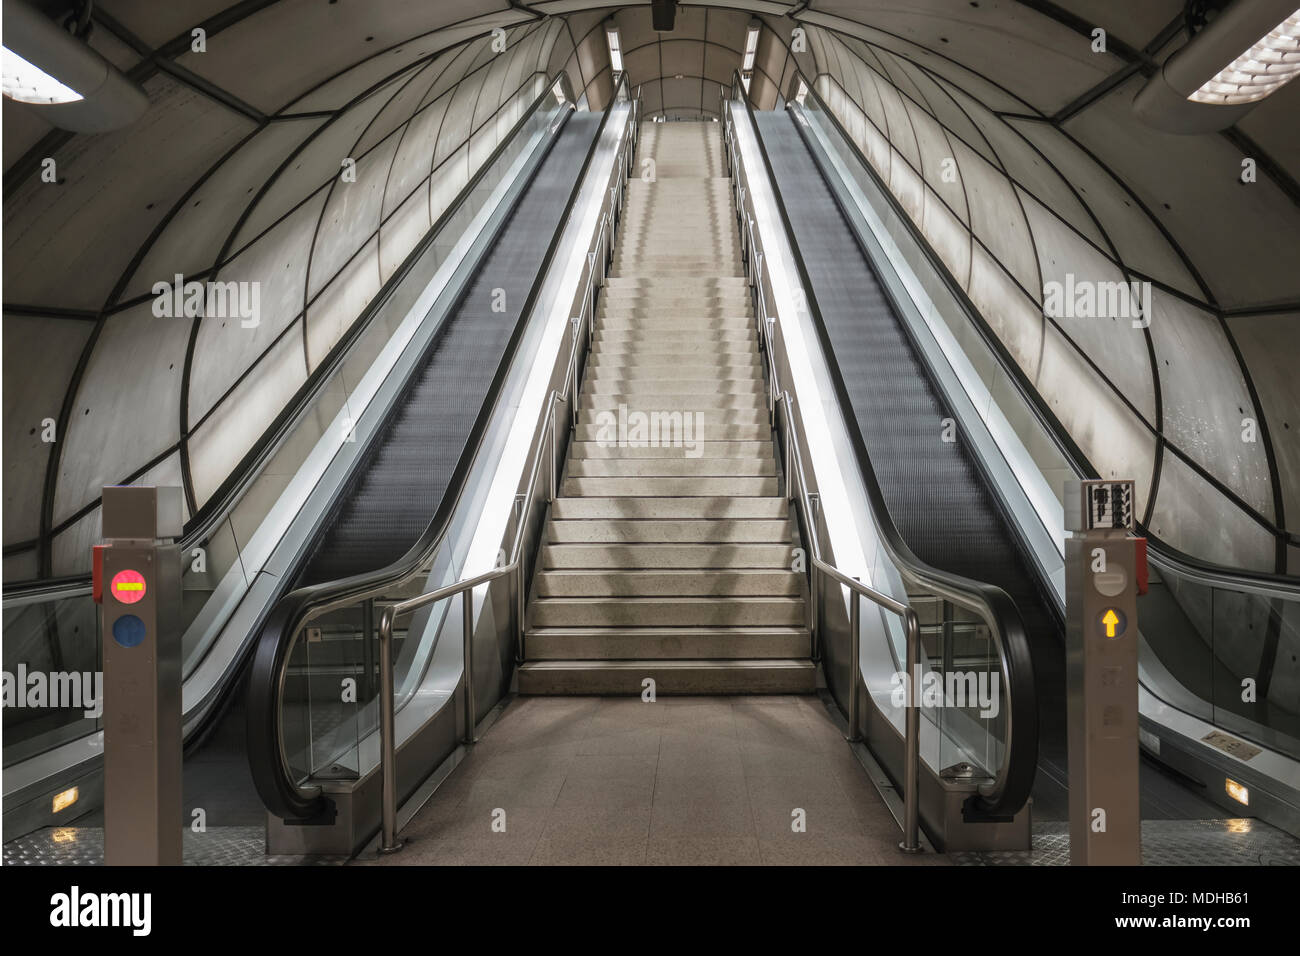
{"points": [[1084, 27], [211, 90], [154, 63], [920, 46], [943, 84], [397, 88], [1082, 102], [1157, 435], [1029, 294], [45, 553], [222, 20], [1266, 439], [233, 387], [402, 69], [27, 165], [89, 508], [1252, 150], [20, 547], [225, 254], [111, 304], [18, 309], [1281, 308], [1156, 221], [516, 5]]}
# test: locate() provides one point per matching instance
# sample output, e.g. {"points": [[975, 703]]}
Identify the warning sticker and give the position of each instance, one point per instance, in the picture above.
{"points": [[1231, 745], [127, 586]]}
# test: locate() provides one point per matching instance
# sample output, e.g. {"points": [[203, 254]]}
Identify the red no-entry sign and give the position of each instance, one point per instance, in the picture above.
{"points": [[127, 586]]}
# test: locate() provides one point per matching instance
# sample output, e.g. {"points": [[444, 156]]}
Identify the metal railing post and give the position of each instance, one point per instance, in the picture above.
{"points": [[467, 613], [517, 581], [550, 493], [367, 647], [855, 652], [912, 756], [387, 743]]}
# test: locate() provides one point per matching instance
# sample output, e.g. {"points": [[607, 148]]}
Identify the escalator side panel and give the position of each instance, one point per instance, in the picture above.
{"points": [[389, 504], [932, 488]]}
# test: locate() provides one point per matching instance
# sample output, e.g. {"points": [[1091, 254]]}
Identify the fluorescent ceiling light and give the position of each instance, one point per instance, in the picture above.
{"points": [[28, 83], [751, 48], [58, 76], [744, 79], [615, 50], [1268, 65], [802, 95]]}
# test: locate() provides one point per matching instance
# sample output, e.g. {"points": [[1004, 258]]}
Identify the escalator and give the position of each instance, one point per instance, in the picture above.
{"points": [[945, 509], [403, 526], [502, 222]]}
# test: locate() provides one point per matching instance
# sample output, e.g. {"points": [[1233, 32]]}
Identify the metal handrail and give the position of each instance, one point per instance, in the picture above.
{"points": [[932, 581], [597, 258], [818, 565]]}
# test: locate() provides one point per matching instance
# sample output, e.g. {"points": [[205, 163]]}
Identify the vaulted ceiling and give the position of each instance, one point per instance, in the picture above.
{"points": [[280, 80]]}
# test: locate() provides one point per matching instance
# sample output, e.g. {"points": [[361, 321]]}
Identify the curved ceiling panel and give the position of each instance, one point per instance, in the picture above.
{"points": [[220, 179]]}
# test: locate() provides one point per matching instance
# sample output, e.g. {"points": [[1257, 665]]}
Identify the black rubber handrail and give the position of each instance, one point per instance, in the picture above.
{"points": [[1056, 432], [281, 794], [1021, 758]]}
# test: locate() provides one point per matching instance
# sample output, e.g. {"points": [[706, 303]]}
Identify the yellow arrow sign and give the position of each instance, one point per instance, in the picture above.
{"points": [[1110, 619]]}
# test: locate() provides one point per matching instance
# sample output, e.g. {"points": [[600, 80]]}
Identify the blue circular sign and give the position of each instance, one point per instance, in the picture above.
{"points": [[128, 630]]}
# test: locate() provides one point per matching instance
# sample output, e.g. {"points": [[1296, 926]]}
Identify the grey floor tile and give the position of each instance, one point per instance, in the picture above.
{"points": [[702, 851]]}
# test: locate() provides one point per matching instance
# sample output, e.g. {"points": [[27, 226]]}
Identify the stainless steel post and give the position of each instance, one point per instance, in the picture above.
{"points": [[912, 755], [854, 664], [518, 578], [467, 613], [367, 648], [550, 492], [387, 745]]}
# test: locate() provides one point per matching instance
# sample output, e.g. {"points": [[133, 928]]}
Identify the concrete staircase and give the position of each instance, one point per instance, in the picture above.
{"points": [[668, 551]]}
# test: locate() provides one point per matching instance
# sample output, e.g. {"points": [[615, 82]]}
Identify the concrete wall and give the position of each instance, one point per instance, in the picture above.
{"points": [[1199, 407]]}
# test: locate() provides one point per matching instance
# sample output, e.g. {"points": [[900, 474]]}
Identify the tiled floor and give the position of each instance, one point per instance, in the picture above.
{"points": [[679, 781]]}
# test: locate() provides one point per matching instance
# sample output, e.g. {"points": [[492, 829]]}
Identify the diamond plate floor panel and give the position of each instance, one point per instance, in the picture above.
{"points": [[1237, 842], [219, 846]]}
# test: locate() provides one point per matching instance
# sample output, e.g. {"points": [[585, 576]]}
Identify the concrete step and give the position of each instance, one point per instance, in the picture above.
{"points": [[670, 677], [660, 643], [667, 612], [670, 467], [565, 509], [675, 328], [729, 425], [706, 340], [668, 583], [648, 389], [669, 487], [707, 282], [639, 348], [703, 449], [605, 362], [669, 530], [679, 555], [669, 402]]}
